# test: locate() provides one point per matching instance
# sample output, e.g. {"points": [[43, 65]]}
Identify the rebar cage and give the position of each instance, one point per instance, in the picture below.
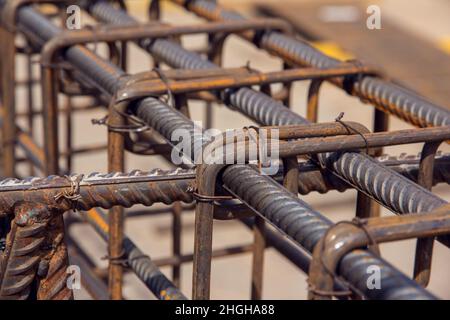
{"points": [[312, 157]]}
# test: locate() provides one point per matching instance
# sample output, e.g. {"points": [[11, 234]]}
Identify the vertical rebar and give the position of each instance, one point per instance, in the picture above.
{"points": [[116, 163]]}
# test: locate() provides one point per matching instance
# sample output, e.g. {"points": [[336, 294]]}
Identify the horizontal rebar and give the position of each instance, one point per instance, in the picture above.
{"points": [[385, 95], [100, 190], [168, 186], [306, 227], [139, 262]]}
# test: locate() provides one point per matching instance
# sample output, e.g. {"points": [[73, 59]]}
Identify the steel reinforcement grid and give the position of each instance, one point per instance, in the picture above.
{"points": [[228, 176]]}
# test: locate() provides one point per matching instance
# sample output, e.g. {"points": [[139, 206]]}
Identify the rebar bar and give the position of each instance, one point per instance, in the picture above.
{"points": [[306, 226], [257, 106], [387, 96], [35, 253], [139, 262]]}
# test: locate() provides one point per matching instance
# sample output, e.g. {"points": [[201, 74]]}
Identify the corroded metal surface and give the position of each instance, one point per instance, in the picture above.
{"points": [[312, 157], [21, 259]]}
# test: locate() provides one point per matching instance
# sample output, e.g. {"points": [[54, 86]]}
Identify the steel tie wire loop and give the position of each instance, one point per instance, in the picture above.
{"points": [[187, 3], [351, 129], [73, 194]]}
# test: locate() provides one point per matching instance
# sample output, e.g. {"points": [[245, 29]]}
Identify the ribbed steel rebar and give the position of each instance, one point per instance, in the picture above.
{"points": [[407, 165], [167, 186], [20, 261], [306, 226], [387, 96], [105, 75]]}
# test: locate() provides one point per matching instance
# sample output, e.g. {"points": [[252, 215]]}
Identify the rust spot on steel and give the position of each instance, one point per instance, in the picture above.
{"points": [[22, 256], [313, 157], [346, 236]]}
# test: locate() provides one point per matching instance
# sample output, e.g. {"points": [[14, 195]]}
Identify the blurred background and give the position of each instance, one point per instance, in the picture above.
{"points": [[412, 48]]}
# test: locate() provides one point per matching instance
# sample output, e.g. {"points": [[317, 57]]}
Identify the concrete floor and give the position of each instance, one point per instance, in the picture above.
{"points": [[231, 276]]}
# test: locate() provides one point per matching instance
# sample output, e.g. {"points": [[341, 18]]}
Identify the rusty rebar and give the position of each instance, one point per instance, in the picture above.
{"points": [[343, 238], [306, 227]]}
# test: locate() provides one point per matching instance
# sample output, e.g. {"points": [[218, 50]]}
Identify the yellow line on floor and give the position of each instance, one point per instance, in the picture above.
{"points": [[332, 49], [444, 44]]}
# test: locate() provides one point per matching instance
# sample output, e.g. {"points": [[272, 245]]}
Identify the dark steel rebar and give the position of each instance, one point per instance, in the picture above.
{"points": [[138, 261], [263, 109], [387, 96], [306, 227], [259, 106], [147, 188]]}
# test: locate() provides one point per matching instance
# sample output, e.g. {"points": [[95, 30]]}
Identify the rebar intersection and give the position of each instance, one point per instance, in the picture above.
{"points": [[312, 157]]}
